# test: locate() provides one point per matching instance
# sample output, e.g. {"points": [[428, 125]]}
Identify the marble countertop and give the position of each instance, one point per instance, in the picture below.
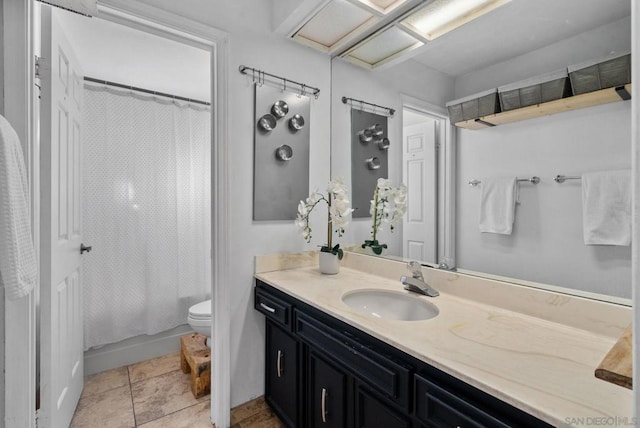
{"points": [[542, 367]]}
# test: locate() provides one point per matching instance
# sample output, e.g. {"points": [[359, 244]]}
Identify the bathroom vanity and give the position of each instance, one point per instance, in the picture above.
{"points": [[471, 365]]}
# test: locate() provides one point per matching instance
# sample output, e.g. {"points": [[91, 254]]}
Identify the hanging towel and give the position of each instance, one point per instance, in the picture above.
{"points": [[606, 208], [18, 267], [497, 205]]}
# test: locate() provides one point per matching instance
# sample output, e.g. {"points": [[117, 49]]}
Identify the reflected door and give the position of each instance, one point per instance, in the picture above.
{"points": [[419, 170]]}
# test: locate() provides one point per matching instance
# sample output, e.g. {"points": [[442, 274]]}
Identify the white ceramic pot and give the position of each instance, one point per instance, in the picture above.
{"points": [[329, 263]]}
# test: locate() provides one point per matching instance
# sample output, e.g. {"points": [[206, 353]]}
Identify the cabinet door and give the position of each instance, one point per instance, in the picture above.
{"points": [[373, 413], [328, 393], [281, 374], [439, 408]]}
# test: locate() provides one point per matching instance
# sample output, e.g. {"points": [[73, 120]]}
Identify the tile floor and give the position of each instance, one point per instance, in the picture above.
{"points": [[156, 394]]}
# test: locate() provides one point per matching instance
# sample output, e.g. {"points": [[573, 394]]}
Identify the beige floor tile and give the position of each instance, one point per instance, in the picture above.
{"points": [[247, 410], [154, 367], [198, 416], [109, 409], [162, 395], [105, 381], [264, 419]]}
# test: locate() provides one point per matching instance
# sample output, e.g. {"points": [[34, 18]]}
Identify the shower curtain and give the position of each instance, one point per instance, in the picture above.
{"points": [[146, 212]]}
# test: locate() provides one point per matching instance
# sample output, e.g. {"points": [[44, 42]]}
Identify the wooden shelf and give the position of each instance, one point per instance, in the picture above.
{"points": [[590, 99]]}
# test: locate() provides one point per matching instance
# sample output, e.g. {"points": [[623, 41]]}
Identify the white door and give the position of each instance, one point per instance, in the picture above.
{"points": [[61, 329], [420, 175]]}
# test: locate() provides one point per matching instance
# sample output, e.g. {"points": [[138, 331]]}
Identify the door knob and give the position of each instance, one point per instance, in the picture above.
{"points": [[84, 248]]}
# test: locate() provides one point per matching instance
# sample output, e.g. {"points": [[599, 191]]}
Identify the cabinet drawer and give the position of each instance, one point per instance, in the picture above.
{"points": [[439, 408], [384, 375], [273, 308]]}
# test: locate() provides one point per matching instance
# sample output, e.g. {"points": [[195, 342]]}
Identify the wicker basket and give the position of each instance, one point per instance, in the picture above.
{"points": [[474, 106], [595, 75], [540, 89]]}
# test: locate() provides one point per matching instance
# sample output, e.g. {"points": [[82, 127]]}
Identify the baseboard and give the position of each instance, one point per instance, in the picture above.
{"points": [[133, 350]]}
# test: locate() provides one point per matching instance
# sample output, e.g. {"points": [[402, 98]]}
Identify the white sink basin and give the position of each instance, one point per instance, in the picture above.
{"points": [[390, 305]]}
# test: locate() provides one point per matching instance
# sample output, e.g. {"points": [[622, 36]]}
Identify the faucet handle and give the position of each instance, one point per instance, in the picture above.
{"points": [[416, 269]]}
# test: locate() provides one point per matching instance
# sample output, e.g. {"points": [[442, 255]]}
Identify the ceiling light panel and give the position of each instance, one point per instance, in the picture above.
{"points": [[334, 25], [441, 16], [382, 6], [383, 47]]}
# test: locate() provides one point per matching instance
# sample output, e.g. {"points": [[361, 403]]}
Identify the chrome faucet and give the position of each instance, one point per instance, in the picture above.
{"points": [[416, 282]]}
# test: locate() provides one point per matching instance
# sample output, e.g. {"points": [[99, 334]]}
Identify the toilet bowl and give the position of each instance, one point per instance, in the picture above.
{"points": [[200, 319]]}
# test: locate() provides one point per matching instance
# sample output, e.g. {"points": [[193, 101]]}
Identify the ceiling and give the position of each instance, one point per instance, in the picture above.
{"points": [[514, 29], [373, 39]]}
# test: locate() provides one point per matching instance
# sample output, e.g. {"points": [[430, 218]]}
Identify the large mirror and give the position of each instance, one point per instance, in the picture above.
{"points": [[518, 41]]}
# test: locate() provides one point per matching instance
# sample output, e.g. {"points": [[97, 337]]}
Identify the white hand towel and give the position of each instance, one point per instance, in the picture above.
{"points": [[18, 267], [497, 205], [606, 208]]}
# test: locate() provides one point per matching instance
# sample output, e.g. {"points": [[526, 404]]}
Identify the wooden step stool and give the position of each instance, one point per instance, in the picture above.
{"points": [[195, 357]]}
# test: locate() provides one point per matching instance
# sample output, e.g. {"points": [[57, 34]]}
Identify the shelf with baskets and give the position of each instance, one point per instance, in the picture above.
{"points": [[575, 102], [587, 84]]}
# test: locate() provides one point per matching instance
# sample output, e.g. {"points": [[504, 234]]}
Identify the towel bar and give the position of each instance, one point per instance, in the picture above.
{"points": [[532, 180], [562, 178]]}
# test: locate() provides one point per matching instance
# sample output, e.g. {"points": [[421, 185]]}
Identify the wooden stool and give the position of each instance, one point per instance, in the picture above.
{"points": [[195, 357]]}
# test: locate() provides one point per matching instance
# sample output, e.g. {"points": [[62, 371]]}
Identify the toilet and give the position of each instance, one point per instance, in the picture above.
{"points": [[200, 319]]}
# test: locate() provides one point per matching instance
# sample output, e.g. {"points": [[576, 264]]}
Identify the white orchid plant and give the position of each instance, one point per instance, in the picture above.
{"points": [[387, 207], [338, 211]]}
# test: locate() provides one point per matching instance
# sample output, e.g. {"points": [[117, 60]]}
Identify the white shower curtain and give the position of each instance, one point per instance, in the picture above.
{"points": [[146, 213]]}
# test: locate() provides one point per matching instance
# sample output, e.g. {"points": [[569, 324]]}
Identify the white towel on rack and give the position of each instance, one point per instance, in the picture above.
{"points": [[18, 267], [606, 208], [497, 205]]}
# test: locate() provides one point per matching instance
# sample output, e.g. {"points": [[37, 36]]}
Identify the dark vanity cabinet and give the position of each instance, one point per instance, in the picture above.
{"points": [[281, 363], [327, 392], [322, 372]]}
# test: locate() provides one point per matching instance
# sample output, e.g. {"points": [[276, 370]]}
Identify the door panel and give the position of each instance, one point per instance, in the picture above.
{"points": [[419, 170], [327, 394], [281, 371], [61, 353]]}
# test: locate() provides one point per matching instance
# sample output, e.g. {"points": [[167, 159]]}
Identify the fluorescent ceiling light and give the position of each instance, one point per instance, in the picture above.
{"points": [[338, 21], [441, 16], [383, 47], [382, 6]]}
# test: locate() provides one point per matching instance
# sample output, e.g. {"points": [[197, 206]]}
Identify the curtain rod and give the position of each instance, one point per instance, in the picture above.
{"points": [[147, 91], [354, 103], [261, 74]]}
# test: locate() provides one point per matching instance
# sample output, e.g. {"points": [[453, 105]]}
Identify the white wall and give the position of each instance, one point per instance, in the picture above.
{"points": [[546, 244], [383, 88], [248, 238], [610, 39], [252, 44], [2, 312], [635, 226], [114, 52]]}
